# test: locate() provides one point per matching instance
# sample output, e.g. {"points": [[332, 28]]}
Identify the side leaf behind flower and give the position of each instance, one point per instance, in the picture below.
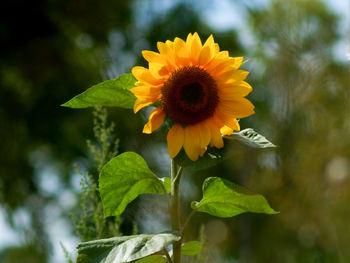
{"points": [[110, 93], [123, 179], [251, 138], [215, 156], [223, 198], [123, 249]]}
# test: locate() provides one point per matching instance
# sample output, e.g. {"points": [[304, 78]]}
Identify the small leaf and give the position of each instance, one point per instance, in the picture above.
{"points": [[153, 259], [251, 138], [123, 179], [191, 248], [123, 249], [223, 198], [167, 184], [111, 93]]}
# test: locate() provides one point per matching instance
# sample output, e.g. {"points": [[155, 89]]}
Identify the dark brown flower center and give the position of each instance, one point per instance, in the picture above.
{"points": [[190, 95]]}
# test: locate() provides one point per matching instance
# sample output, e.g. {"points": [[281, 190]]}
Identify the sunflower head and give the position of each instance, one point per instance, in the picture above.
{"points": [[199, 87]]}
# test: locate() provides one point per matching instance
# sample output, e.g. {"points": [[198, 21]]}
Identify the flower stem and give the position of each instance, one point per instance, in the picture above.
{"points": [[175, 216]]}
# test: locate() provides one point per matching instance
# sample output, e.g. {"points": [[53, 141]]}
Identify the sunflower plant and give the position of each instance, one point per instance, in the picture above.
{"points": [[199, 92]]}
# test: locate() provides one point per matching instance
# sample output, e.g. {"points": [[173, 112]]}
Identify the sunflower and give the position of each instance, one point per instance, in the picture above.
{"points": [[198, 87]]}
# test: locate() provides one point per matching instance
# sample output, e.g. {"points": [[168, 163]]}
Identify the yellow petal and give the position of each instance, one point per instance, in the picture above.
{"points": [[175, 140], [232, 123], [224, 118], [209, 41], [153, 57], [195, 48], [181, 52], [217, 48], [204, 56], [158, 70], [224, 65], [237, 108], [238, 127], [143, 102], [191, 143], [137, 71], [202, 151], [162, 48], [234, 91], [204, 135], [167, 52], [189, 39], [170, 44], [180, 47], [183, 61], [231, 76], [155, 120], [226, 130], [216, 139], [237, 62], [222, 57], [144, 75], [146, 91]]}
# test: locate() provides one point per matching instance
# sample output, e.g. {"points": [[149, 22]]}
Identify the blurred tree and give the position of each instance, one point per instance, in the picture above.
{"points": [[47, 56], [50, 51], [25, 254], [304, 92]]}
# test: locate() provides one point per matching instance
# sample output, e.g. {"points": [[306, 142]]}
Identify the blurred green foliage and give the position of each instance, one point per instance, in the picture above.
{"points": [[52, 50]]}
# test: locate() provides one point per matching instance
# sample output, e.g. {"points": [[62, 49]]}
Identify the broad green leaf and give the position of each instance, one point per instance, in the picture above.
{"points": [[123, 249], [223, 198], [251, 138], [110, 93], [153, 259], [124, 178], [167, 184], [191, 248]]}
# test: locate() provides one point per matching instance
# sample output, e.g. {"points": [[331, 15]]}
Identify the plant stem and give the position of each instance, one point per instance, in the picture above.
{"points": [[175, 216], [167, 255]]}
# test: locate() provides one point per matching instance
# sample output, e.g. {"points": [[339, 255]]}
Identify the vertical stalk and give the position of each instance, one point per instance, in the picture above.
{"points": [[175, 216]]}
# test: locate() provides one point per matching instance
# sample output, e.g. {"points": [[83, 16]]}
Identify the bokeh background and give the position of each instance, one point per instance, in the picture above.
{"points": [[51, 50]]}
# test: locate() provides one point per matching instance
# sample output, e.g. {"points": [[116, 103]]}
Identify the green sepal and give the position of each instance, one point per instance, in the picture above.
{"points": [[167, 184]]}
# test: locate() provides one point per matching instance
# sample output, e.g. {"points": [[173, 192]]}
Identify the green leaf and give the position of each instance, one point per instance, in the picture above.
{"points": [[251, 138], [123, 249], [191, 248], [124, 178], [167, 184], [153, 259], [223, 198], [111, 93]]}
